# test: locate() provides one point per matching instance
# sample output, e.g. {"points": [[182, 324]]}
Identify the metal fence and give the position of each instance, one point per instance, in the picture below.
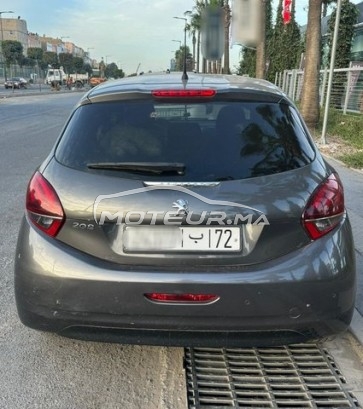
{"points": [[29, 73], [347, 86]]}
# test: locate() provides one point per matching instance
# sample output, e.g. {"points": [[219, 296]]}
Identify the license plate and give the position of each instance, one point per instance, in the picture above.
{"points": [[179, 239]]}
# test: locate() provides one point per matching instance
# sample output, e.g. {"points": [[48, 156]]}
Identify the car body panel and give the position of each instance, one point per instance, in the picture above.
{"points": [[283, 212], [67, 290], [281, 286]]}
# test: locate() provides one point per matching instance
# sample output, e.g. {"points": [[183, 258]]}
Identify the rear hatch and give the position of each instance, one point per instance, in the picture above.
{"points": [[214, 181]]}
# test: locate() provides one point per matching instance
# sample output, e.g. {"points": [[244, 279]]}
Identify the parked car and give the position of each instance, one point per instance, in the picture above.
{"points": [[16, 82], [186, 212]]}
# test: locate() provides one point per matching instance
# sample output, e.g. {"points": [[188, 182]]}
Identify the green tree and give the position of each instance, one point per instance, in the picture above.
{"points": [[179, 59], [247, 65], [195, 26], [224, 5], [49, 58], [111, 70], [285, 46], [348, 18], [26, 61], [191, 28], [78, 64], [120, 73], [35, 53], [12, 51], [66, 60]]}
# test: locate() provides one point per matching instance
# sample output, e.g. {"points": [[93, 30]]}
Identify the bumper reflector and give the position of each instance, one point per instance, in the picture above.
{"points": [[182, 298]]}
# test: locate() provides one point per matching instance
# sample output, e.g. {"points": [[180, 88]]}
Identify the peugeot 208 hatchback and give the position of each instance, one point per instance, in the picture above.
{"points": [[186, 212]]}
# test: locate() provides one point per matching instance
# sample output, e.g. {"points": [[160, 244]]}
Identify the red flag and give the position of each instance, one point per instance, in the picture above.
{"points": [[286, 11]]}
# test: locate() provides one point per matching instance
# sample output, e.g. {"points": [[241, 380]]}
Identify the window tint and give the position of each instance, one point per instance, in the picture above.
{"points": [[214, 140]]}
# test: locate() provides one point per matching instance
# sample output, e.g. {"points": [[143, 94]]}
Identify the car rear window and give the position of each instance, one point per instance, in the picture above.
{"points": [[212, 141]]}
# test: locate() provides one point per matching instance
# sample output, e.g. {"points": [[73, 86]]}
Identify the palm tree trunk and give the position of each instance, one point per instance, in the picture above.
{"points": [[198, 51], [261, 47], [194, 40], [309, 107], [227, 24]]}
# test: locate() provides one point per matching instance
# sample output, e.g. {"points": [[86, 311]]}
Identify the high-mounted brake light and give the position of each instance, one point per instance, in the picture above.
{"points": [[43, 205], [325, 208], [182, 298], [184, 93]]}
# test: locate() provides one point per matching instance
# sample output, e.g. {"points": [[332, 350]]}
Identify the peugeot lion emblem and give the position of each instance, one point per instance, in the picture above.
{"points": [[182, 206]]}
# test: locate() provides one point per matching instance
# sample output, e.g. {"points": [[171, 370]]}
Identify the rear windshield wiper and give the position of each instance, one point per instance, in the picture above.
{"points": [[144, 167]]}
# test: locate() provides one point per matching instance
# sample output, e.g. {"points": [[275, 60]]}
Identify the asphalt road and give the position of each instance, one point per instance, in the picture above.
{"points": [[39, 370], [44, 371]]}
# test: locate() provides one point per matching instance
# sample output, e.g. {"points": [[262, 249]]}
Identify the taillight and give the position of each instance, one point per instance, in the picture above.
{"points": [[43, 205], [325, 208], [185, 298], [184, 93]]}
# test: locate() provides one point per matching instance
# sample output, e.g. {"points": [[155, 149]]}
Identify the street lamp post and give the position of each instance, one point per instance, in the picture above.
{"points": [[177, 41], [185, 75], [2, 39]]}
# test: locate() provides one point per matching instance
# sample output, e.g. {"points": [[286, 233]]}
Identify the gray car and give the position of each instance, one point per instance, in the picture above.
{"points": [[16, 82], [186, 212]]}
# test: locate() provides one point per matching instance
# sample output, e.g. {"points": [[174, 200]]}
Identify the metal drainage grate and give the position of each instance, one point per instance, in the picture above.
{"points": [[294, 376]]}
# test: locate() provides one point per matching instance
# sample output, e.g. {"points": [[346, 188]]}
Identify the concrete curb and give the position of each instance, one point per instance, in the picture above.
{"points": [[356, 326], [330, 158], [44, 91]]}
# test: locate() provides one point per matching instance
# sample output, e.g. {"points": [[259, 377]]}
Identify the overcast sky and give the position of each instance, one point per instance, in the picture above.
{"points": [[127, 32]]}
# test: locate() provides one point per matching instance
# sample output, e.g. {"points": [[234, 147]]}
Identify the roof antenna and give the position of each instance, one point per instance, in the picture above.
{"points": [[185, 74]]}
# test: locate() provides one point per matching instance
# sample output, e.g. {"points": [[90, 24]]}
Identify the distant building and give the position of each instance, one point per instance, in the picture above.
{"points": [[357, 45], [55, 45], [34, 40], [15, 29]]}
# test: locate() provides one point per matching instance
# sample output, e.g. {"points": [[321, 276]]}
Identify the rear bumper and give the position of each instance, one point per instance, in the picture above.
{"points": [[307, 294]]}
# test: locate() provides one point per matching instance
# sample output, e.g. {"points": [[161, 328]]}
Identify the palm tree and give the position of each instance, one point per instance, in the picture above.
{"points": [[194, 28], [310, 91], [309, 107], [223, 4], [227, 25], [192, 31], [261, 46], [195, 25]]}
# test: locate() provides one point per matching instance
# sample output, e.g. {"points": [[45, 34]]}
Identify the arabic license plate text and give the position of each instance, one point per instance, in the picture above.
{"points": [[163, 238]]}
